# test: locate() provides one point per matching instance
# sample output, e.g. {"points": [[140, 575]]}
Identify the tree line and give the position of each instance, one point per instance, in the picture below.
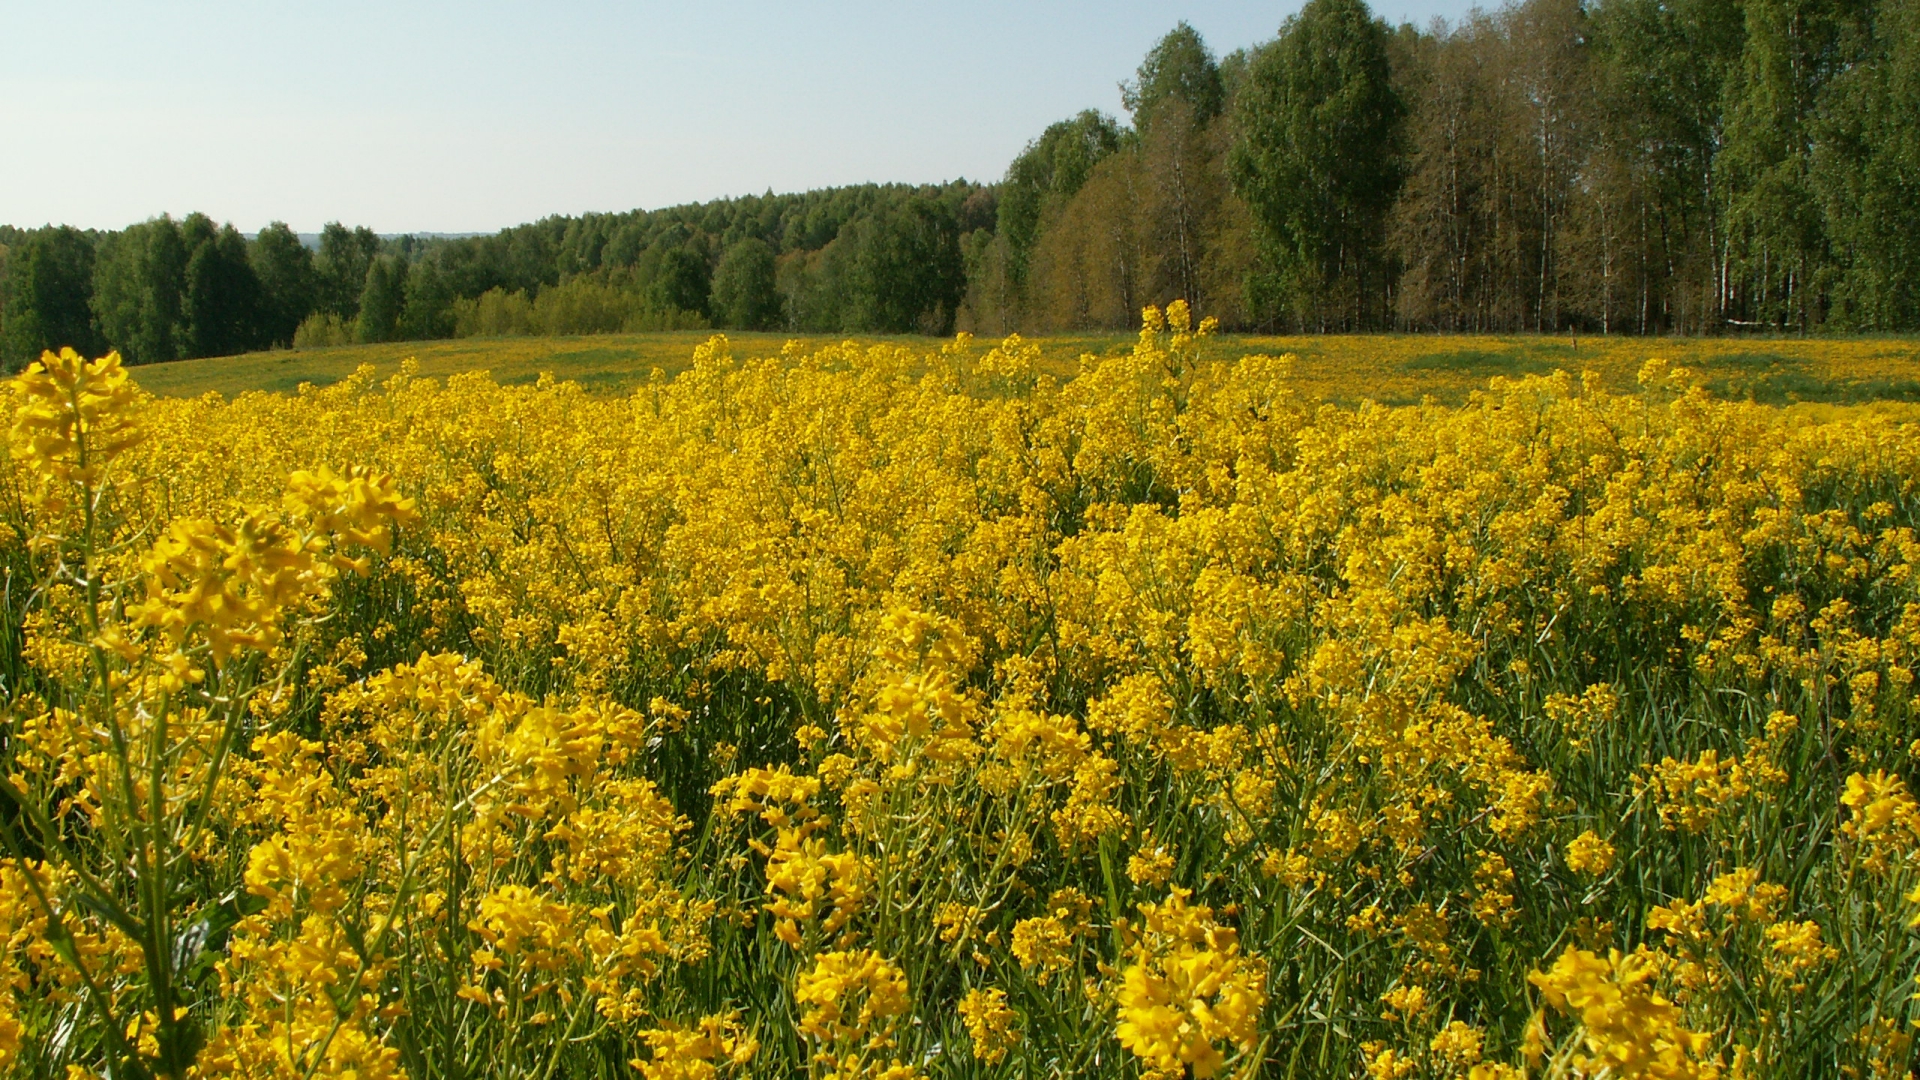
{"points": [[871, 258], [1641, 166], [1616, 166]]}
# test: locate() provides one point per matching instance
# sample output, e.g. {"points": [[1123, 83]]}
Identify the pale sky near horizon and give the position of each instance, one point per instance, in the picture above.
{"points": [[417, 116]]}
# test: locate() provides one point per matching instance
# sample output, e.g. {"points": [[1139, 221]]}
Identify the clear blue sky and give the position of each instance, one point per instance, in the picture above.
{"points": [[455, 117]]}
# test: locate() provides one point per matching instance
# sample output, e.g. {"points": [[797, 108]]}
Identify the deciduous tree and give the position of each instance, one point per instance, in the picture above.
{"points": [[744, 296], [1318, 164], [49, 285]]}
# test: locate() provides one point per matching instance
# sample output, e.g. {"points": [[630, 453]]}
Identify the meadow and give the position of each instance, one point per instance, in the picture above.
{"points": [[1397, 708], [1345, 368]]}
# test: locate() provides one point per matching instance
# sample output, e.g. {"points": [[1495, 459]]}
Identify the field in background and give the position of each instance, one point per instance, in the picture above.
{"points": [[1396, 368]]}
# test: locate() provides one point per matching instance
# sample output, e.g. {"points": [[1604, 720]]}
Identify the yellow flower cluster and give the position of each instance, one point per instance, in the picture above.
{"points": [[1189, 995], [701, 1052], [1588, 854], [75, 416], [991, 1024], [851, 1003], [1628, 1027], [1882, 817], [872, 711]]}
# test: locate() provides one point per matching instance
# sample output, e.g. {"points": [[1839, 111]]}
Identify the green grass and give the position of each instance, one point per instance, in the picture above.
{"points": [[608, 363], [1481, 362], [1391, 368], [611, 362]]}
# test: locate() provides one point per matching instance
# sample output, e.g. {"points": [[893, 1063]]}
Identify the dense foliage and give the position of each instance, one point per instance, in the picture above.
{"points": [[870, 713], [1616, 165], [861, 259], [1639, 166]]}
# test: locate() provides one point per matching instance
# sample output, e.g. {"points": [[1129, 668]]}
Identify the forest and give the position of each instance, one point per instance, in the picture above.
{"points": [[1619, 166]]}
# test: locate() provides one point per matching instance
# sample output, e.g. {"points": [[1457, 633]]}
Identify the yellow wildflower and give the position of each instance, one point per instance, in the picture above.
{"points": [[1590, 855], [990, 1023]]}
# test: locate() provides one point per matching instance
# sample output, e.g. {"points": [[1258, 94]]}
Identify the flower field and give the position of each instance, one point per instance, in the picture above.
{"points": [[872, 710]]}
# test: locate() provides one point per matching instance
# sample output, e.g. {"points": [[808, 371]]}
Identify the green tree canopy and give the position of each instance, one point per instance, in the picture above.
{"points": [[139, 282], [743, 287], [222, 302], [907, 273], [1867, 169], [345, 255], [680, 282], [49, 286], [1179, 68], [427, 311], [288, 283], [382, 297], [1047, 173], [1777, 233], [1318, 164]]}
